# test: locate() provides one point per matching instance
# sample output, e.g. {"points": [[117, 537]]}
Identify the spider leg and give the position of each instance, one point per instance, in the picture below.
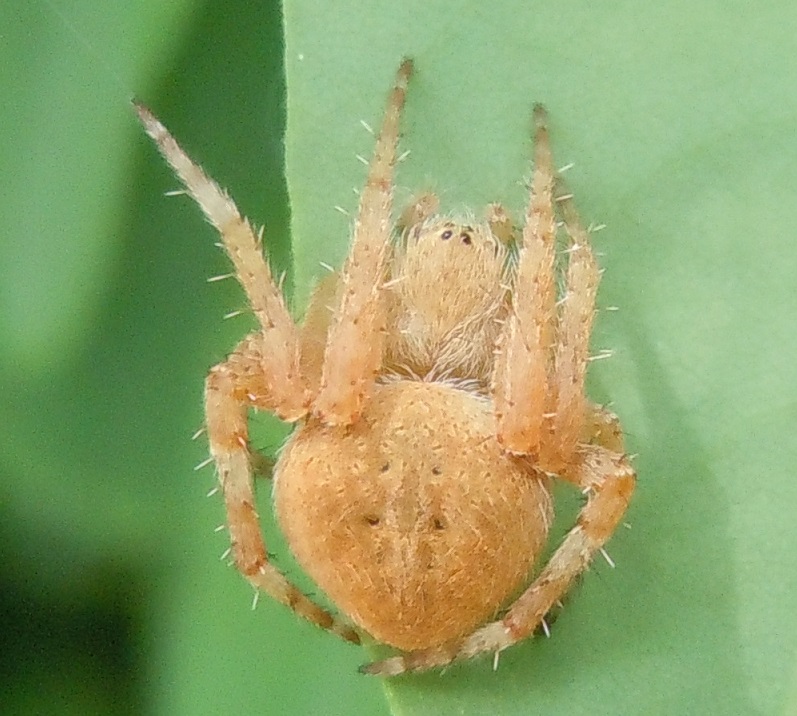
{"points": [[602, 427], [244, 248], [501, 224], [576, 313], [521, 375], [417, 211], [315, 328], [354, 345], [231, 388], [608, 480]]}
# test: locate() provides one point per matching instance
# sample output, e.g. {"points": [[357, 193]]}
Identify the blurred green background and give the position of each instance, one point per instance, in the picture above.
{"points": [[681, 119], [113, 598]]}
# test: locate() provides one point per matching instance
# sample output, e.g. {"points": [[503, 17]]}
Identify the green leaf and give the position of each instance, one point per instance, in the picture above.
{"points": [[680, 120]]}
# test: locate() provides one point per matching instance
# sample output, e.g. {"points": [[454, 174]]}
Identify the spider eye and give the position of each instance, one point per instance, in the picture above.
{"points": [[466, 239], [447, 234]]}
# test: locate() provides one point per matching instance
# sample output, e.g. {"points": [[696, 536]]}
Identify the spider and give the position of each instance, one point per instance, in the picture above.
{"points": [[436, 385]]}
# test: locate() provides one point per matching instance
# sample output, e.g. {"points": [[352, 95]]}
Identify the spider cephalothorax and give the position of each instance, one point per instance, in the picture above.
{"points": [[436, 384]]}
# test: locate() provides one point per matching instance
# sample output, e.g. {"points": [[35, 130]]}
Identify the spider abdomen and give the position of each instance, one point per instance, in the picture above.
{"points": [[413, 521]]}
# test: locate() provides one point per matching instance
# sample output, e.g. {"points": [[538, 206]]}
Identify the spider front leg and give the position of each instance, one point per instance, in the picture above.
{"points": [[232, 387], [574, 326], [264, 373], [354, 345], [539, 399], [280, 363], [521, 376]]}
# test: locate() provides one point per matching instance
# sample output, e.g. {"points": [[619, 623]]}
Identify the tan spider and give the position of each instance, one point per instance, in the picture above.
{"points": [[436, 384]]}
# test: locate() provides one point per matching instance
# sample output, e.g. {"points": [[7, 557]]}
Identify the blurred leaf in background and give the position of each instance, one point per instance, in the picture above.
{"points": [[113, 597], [680, 117]]}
